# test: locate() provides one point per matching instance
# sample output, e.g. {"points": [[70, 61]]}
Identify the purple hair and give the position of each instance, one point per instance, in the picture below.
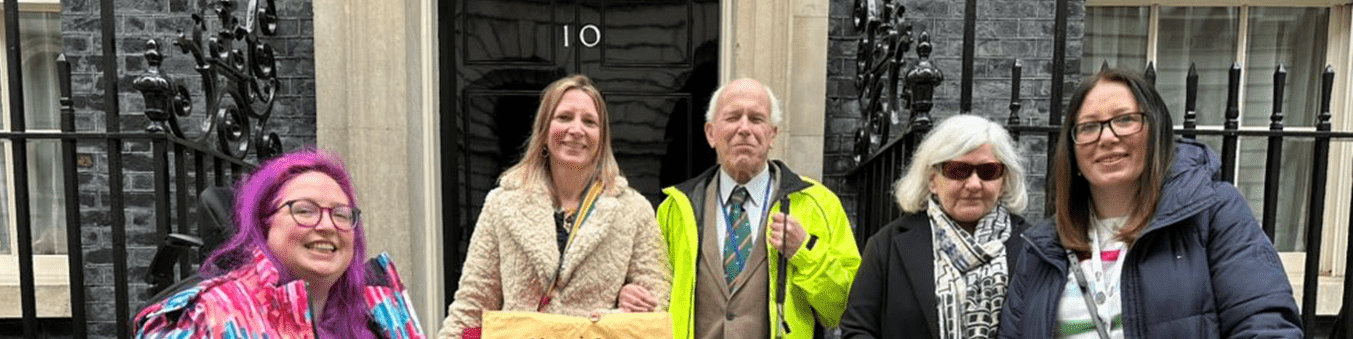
{"points": [[345, 311]]}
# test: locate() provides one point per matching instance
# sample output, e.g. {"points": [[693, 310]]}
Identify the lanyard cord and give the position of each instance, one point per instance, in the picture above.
{"points": [[585, 208], [1100, 326], [765, 208], [728, 223], [1102, 285]]}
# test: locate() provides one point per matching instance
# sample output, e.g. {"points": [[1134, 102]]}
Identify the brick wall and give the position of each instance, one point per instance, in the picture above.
{"points": [[293, 118], [1005, 30]]}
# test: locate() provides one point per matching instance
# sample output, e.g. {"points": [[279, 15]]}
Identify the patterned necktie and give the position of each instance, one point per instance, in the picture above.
{"points": [[739, 243]]}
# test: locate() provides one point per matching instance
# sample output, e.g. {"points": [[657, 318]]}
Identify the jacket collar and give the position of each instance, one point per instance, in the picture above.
{"points": [[532, 219], [694, 189], [790, 182]]}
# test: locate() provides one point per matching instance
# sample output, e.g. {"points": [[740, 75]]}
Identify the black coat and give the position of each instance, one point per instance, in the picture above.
{"points": [[894, 291]]}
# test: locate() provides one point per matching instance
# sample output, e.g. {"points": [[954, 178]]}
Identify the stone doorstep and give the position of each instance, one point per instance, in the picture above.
{"points": [[1330, 290], [53, 301]]}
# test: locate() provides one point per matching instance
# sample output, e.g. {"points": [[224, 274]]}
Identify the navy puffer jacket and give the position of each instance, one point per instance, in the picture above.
{"points": [[1201, 269]]}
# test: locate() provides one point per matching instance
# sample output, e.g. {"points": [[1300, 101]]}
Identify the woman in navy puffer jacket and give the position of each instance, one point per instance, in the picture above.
{"points": [[1161, 247]]}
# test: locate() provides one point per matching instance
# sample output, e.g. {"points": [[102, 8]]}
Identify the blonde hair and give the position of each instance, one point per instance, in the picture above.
{"points": [[533, 171], [952, 138]]}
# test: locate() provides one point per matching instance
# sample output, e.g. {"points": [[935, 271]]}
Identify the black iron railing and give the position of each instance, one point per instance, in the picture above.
{"points": [[890, 86], [1276, 134], [191, 167], [884, 166], [239, 86]]}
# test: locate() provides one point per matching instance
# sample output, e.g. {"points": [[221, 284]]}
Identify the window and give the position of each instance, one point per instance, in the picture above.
{"points": [[1259, 35], [41, 42], [1212, 39], [40, 39]]}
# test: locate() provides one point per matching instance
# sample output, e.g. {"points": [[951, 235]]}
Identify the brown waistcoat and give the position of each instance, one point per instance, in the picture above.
{"points": [[721, 311]]}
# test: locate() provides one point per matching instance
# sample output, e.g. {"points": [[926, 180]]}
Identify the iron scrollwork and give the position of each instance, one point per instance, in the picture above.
{"points": [[240, 87], [887, 81]]}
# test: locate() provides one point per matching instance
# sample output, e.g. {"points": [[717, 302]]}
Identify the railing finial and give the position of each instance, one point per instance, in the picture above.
{"points": [[1191, 101], [156, 88], [1150, 72], [921, 81], [1279, 92], [1322, 122]]}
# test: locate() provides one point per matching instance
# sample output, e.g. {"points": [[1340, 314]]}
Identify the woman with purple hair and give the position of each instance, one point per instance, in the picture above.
{"points": [[294, 267]]}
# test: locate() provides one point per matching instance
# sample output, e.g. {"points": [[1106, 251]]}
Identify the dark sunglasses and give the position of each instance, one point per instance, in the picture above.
{"points": [[961, 170]]}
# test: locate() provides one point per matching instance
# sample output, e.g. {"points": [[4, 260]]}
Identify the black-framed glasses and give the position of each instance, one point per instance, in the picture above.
{"points": [[1120, 126], [308, 214], [955, 170]]}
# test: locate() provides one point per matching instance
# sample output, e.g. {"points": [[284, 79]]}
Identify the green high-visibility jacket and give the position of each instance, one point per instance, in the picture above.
{"points": [[819, 275]]}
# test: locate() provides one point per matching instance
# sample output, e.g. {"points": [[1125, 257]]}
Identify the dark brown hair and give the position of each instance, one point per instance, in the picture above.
{"points": [[1072, 191]]}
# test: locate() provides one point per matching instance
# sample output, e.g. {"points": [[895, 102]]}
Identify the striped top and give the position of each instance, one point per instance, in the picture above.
{"points": [[1073, 316]]}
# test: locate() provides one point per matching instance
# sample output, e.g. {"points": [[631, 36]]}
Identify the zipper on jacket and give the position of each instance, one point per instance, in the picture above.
{"points": [[1055, 294], [314, 327]]}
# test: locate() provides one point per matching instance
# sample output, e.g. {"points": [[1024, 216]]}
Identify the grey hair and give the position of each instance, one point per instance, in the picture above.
{"points": [[952, 138], [775, 113]]}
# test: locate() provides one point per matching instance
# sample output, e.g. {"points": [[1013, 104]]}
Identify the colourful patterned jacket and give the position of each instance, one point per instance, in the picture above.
{"points": [[248, 303]]}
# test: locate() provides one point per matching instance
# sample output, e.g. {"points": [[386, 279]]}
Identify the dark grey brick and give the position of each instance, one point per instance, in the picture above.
{"points": [[1006, 30], [141, 6], [140, 20]]}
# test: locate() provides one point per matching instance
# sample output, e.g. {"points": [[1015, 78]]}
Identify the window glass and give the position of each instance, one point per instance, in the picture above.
{"points": [[47, 197], [40, 36], [1116, 36], [1207, 37], [1294, 189], [1295, 38], [40, 39]]}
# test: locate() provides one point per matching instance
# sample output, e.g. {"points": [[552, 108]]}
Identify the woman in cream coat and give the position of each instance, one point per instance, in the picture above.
{"points": [[567, 197]]}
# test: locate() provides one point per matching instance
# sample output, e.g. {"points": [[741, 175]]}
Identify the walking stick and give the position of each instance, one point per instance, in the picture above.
{"points": [[783, 329]]}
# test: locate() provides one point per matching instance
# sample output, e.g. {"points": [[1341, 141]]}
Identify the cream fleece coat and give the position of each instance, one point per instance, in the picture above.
{"points": [[513, 255]]}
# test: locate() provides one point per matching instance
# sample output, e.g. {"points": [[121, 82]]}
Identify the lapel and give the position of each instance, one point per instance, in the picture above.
{"points": [[531, 226], [918, 261], [590, 234], [712, 258]]}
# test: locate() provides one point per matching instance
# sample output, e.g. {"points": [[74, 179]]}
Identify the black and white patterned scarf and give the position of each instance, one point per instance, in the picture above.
{"points": [[970, 273]]}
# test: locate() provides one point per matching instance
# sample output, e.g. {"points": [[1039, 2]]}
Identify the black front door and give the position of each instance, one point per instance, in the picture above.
{"points": [[656, 63]]}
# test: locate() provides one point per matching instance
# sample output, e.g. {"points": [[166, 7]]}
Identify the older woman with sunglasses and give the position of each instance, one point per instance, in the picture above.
{"points": [[940, 270], [293, 269], [1148, 241]]}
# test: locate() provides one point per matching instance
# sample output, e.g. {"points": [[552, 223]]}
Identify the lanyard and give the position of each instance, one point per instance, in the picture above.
{"points": [[585, 208], [1102, 287], [728, 222]]}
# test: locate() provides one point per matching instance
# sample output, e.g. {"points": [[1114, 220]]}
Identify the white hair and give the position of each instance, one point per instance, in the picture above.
{"points": [[952, 138], [775, 113]]}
